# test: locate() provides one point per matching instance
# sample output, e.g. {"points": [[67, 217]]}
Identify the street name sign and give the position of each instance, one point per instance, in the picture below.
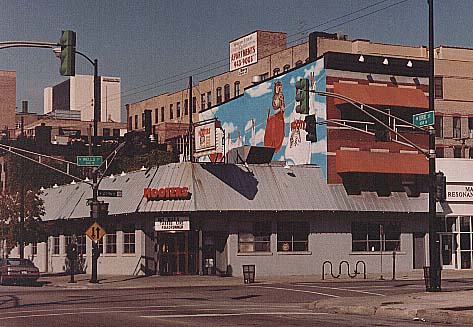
{"points": [[89, 161], [95, 232], [110, 193], [424, 119]]}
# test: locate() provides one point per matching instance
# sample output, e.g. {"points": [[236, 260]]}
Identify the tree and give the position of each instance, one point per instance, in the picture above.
{"points": [[34, 229]]}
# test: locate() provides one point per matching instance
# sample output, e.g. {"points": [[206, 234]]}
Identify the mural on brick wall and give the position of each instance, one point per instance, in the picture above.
{"points": [[266, 116]]}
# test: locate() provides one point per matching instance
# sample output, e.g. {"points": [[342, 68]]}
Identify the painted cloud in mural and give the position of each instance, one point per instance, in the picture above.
{"points": [[259, 90]]}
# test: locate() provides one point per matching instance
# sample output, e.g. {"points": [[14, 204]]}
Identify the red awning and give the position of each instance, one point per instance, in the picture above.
{"points": [[382, 95], [381, 162]]}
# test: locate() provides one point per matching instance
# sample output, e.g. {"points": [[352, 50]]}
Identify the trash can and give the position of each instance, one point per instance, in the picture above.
{"points": [[249, 274], [433, 279]]}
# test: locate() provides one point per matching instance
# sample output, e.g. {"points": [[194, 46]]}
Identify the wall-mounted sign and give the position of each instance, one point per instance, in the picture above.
{"points": [[244, 51], [459, 193], [167, 193], [207, 138], [171, 224]]}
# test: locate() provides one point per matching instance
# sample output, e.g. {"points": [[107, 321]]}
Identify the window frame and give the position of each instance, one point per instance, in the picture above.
{"points": [[289, 234], [226, 92], [111, 243], [438, 87], [370, 234], [56, 245], [219, 95], [171, 111], [456, 130], [259, 239], [236, 88]]}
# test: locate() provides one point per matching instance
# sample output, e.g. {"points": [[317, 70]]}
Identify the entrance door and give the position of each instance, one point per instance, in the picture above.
{"points": [[447, 250], [419, 250], [177, 253]]}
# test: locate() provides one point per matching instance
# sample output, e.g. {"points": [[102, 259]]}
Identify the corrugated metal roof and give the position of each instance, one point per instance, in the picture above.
{"points": [[226, 187]]}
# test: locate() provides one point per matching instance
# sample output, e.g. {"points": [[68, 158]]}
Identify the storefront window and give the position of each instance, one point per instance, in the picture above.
{"points": [[55, 244], [257, 240], [376, 236], [293, 236], [34, 248], [465, 242], [129, 239], [111, 243]]}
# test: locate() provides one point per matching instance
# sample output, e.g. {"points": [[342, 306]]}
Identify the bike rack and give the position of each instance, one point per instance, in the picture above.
{"points": [[355, 273]]}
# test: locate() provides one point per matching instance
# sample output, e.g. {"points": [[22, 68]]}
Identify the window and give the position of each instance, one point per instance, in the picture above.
{"points": [[100, 245], [162, 114], [293, 236], [439, 126], [106, 132], [457, 152], [236, 87], [156, 116], [136, 121], [276, 71], [81, 244], [465, 242], [439, 152], [130, 123], [116, 132], [264, 76], [375, 236], [226, 92], [171, 112], [68, 240], [194, 105], [55, 244], [286, 68], [438, 87], [457, 127], [219, 95], [470, 127], [111, 243], [178, 109], [298, 63], [202, 102], [186, 107], [34, 248], [129, 239], [209, 99], [257, 240]]}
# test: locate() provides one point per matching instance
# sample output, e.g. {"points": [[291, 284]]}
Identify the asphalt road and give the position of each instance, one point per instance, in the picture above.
{"points": [[245, 305]]}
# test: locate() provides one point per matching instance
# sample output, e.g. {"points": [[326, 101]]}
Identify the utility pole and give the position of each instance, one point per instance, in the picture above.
{"points": [[21, 233], [434, 272], [191, 139]]}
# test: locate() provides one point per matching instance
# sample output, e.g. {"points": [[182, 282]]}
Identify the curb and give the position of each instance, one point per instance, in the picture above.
{"points": [[430, 315]]}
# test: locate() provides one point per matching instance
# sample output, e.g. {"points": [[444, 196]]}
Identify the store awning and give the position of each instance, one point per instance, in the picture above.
{"points": [[381, 162], [382, 95]]}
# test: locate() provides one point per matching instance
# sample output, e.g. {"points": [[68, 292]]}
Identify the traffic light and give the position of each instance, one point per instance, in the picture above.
{"points": [[440, 186], [68, 53], [311, 128], [302, 96]]}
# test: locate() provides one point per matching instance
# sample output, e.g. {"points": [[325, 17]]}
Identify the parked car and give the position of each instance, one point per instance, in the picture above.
{"points": [[15, 270]]}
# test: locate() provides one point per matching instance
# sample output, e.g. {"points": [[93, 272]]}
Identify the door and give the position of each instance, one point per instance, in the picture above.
{"points": [[209, 254], [176, 253], [419, 250], [447, 250]]}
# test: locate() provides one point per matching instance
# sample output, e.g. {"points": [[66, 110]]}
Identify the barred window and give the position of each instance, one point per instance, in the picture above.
{"points": [[257, 240], [376, 236], [293, 236]]}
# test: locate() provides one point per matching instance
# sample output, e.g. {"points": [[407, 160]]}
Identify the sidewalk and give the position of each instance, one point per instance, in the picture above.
{"points": [[448, 307]]}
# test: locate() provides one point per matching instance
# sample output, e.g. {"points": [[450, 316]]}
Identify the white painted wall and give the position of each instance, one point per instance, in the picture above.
{"points": [[48, 100]]}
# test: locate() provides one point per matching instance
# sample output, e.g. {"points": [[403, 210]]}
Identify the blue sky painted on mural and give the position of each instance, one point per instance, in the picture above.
{"points": [[240, 115]]}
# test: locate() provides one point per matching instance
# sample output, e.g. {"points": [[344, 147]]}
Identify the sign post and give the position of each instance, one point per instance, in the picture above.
{"points": [[110, 193]]}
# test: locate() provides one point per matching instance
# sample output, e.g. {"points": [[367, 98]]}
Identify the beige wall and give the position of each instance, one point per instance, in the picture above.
{"points": [[7, 99]]}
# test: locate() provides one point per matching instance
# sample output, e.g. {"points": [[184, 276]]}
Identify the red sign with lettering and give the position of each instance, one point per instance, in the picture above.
{"points": [[167, 193]]}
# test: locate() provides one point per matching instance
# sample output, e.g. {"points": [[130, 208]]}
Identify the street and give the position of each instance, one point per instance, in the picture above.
{"points": [[240, 305]]}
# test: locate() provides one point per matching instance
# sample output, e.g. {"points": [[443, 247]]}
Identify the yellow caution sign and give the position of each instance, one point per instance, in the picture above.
{"points": [[95, 232]]}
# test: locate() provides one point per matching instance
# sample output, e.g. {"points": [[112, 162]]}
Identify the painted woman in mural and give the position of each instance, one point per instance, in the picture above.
{"points": [[274, 133]]}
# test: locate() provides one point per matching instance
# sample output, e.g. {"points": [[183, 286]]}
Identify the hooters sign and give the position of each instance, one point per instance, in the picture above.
{"points": [[167, 193]]}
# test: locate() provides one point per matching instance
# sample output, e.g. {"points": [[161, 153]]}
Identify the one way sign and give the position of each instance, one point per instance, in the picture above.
{"points": [[95, 232]]}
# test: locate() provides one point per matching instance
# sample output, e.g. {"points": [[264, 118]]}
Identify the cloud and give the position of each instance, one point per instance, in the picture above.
{"points": [[229, 127], [319, 146], [316, 69], [319, 109], [248, 125], [259, 137], [292, 81], [208, 114], [259, 90]]}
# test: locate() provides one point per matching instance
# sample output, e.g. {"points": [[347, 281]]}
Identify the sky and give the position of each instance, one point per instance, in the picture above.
{"points": [[153, 46]]}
